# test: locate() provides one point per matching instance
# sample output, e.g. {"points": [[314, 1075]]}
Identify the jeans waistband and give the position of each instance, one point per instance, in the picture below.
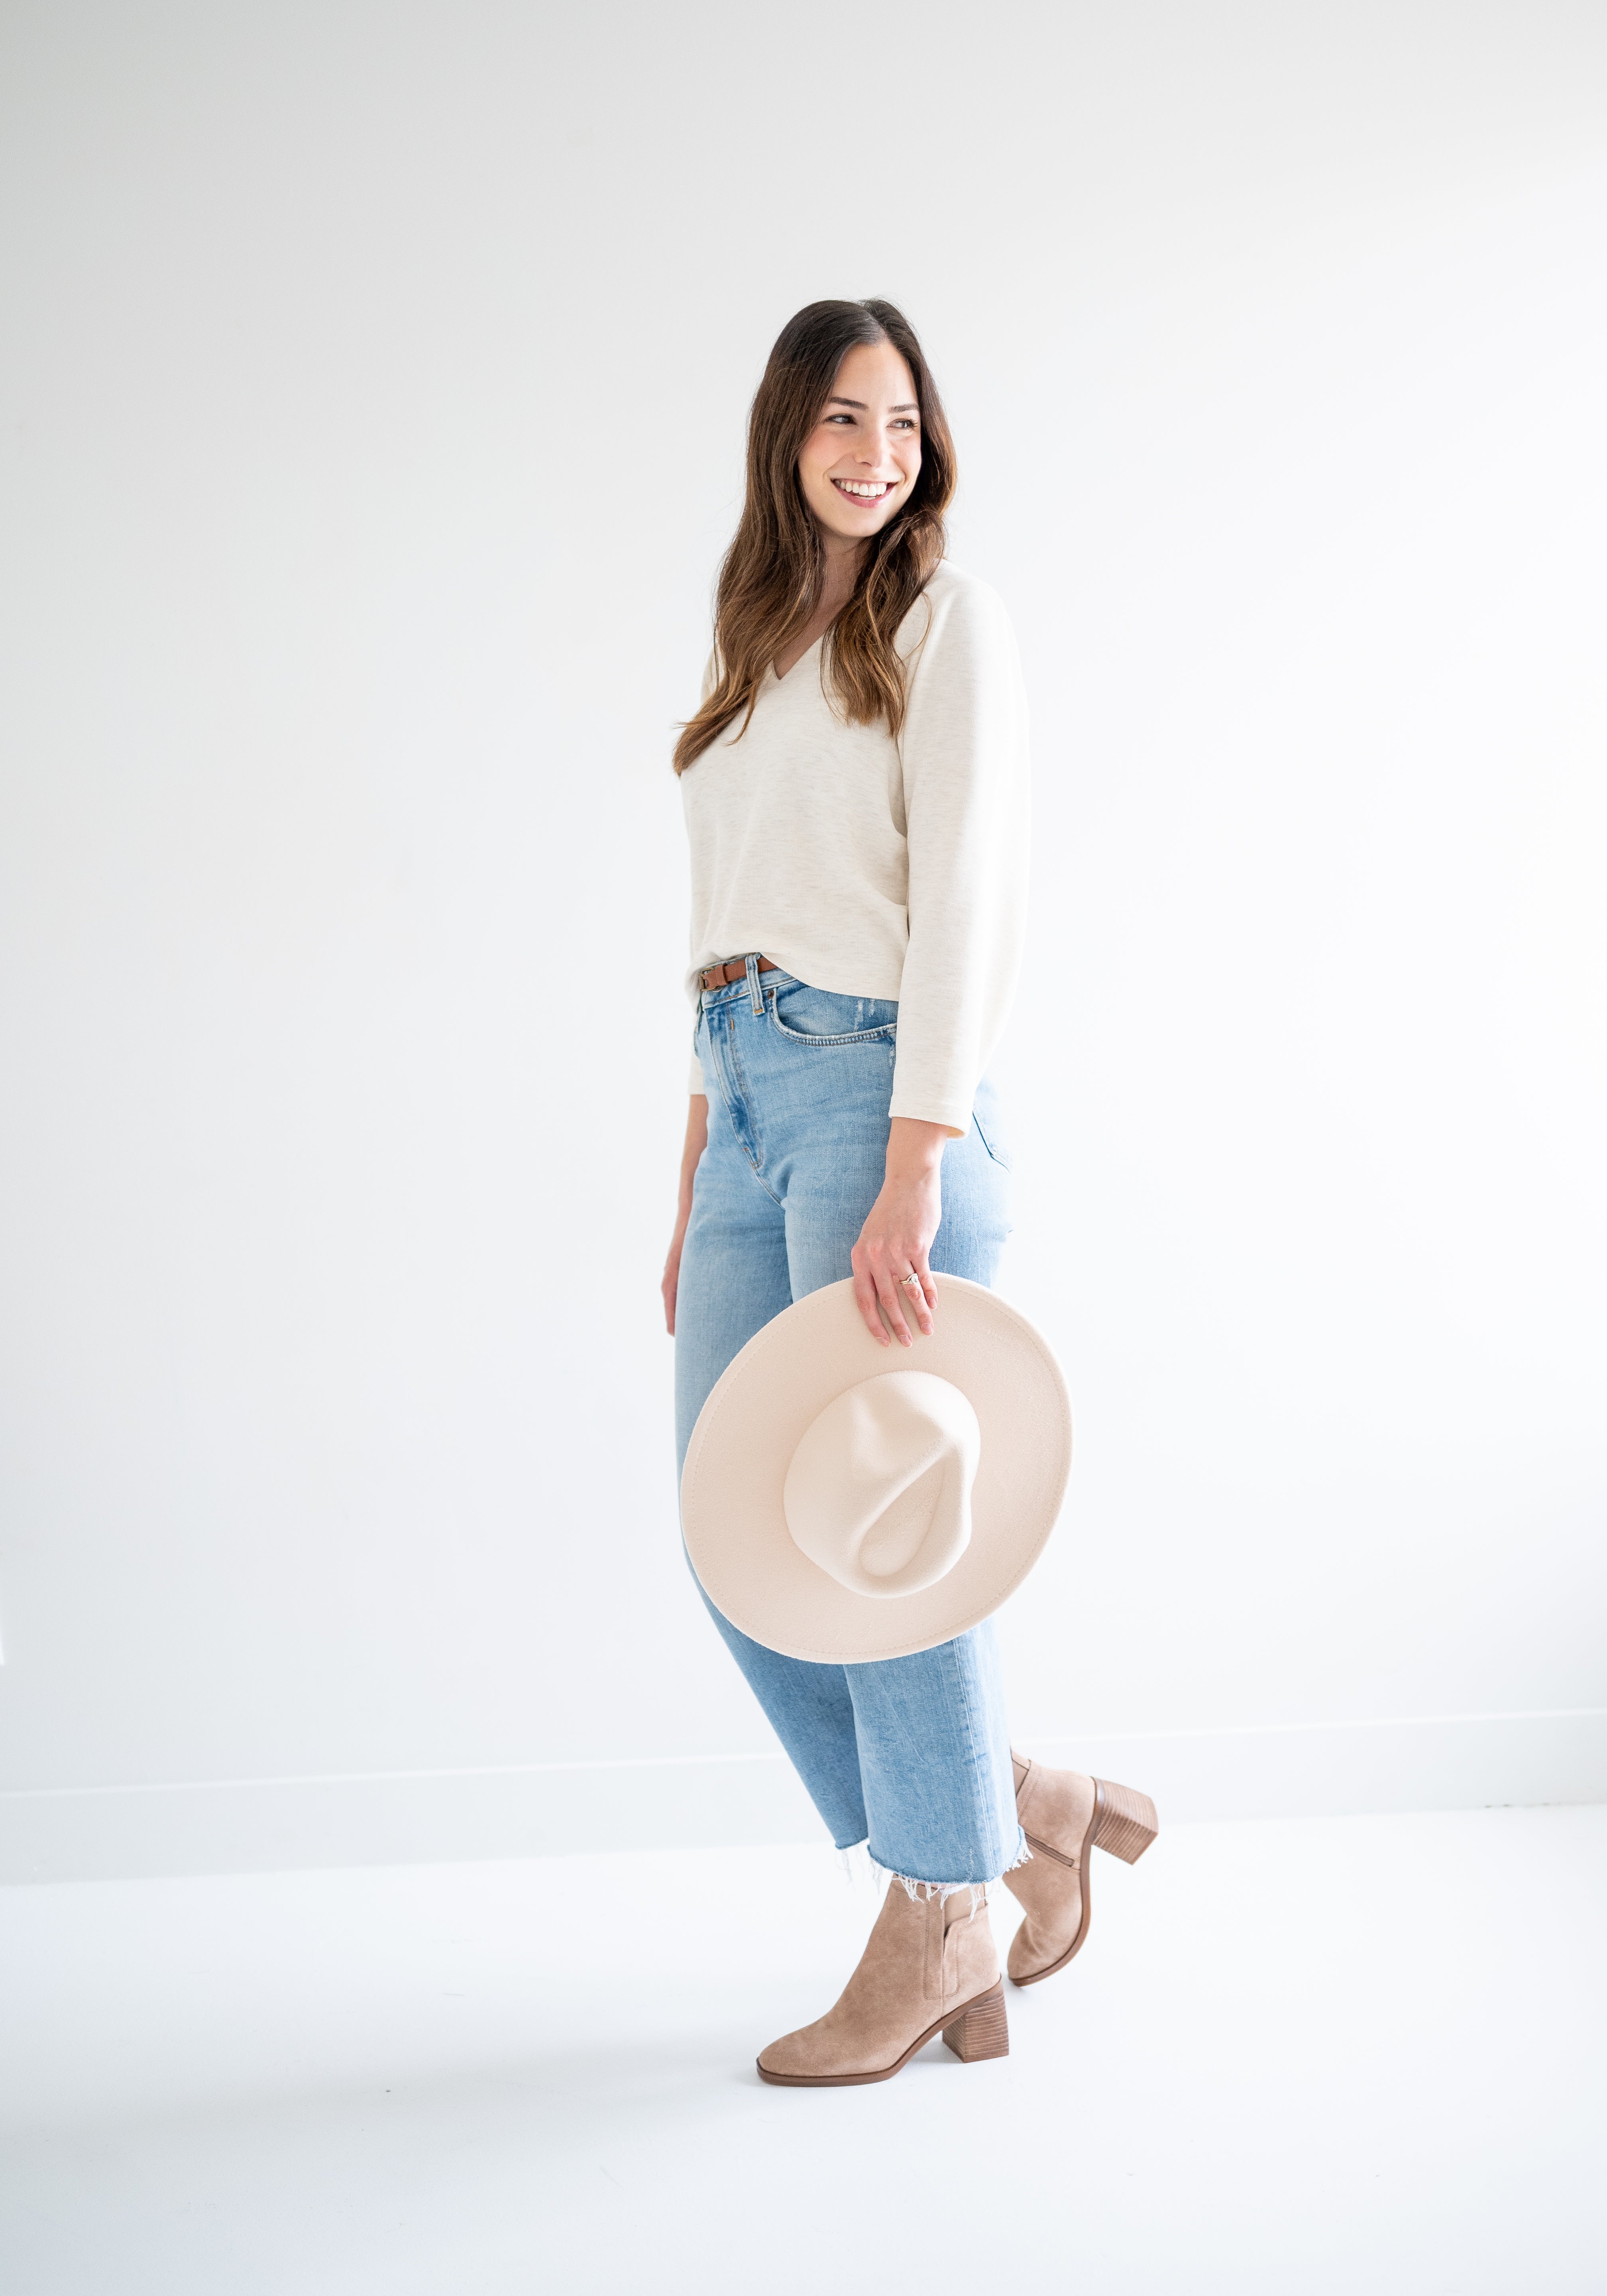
{"points": [[710, 999]]}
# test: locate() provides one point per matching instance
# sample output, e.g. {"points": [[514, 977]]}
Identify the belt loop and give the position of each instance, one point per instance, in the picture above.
{"points": [[756, 994]]}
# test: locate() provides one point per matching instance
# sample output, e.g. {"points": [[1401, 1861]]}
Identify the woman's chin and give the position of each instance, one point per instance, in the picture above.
{"points": [[854, 525]]}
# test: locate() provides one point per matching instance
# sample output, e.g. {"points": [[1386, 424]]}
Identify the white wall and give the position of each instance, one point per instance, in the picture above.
{"points": [[374, 379]]}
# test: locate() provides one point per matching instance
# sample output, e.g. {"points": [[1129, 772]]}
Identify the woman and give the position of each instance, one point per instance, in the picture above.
{"points": [[856, 790]]}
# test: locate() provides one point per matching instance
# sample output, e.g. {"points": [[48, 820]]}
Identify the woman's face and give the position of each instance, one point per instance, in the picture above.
{"points": [[863, 458]]}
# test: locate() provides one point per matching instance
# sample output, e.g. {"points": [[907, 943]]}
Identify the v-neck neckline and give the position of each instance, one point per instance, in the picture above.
{"points": [[781, 677]]}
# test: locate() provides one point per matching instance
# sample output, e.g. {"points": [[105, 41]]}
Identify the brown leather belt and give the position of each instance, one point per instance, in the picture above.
{"points": [[720, 976]]}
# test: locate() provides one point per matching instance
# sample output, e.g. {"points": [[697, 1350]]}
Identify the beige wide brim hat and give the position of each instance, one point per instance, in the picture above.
{"points": [[844, 1501]]}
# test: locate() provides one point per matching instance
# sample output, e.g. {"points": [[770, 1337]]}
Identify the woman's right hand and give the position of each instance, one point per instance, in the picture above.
{"points": [[696, 1141], [671, 1283]]}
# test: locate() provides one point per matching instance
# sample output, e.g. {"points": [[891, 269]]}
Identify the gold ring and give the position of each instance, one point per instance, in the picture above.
{"points": [[913, 1278]]}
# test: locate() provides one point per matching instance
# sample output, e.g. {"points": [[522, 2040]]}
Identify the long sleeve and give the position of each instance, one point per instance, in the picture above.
{"points": [[967, 802]]}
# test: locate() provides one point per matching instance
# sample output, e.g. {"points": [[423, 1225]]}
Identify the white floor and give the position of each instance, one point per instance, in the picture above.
{"points": [[1362, 2054]]}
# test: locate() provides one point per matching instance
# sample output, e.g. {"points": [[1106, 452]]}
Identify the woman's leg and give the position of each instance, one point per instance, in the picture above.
{"points": [[933, 1738], [934, 1760], [912, 1753], [734, 1281]]}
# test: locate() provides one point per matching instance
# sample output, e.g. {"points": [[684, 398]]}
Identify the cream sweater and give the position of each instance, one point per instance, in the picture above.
{"points": [[873, 868]]}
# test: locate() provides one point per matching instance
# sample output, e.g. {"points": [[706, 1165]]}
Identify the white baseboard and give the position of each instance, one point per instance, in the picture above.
{"points": [[1459, 1761], [1437, 1761]]}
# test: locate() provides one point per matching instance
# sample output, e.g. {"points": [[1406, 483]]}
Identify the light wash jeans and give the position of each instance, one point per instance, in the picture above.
{"points": [[909, 1754]]}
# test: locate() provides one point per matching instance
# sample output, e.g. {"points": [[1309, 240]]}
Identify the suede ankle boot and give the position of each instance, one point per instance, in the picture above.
{"points": [[929, 1967], [1063, 1815]]}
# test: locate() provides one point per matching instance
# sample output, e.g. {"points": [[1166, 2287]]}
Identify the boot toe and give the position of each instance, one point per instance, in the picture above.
{"points": [[789, 2056]]}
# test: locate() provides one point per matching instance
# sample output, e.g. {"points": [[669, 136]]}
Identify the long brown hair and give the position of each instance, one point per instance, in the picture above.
{"points": [[771, 578]]}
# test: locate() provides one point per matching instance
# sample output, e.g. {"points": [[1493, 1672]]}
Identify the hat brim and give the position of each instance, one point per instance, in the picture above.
{"points": [[731, 1515]]}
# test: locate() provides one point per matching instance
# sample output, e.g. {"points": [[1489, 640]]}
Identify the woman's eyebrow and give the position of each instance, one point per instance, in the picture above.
{"points": [[906, 406]]}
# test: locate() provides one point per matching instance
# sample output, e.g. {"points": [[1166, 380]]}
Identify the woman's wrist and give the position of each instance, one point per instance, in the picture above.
{"points": [[914, 1148]]}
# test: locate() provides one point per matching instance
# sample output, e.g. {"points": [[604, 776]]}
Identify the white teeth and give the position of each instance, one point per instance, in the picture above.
{"points": [[853, 487]]}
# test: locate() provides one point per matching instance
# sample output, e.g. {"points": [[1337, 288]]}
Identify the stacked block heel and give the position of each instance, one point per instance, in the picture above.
{"points": [[983, 2030], [1124, 1821]]}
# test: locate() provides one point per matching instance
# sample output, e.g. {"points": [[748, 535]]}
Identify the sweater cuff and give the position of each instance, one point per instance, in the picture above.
{"points": [[953, 1115]]}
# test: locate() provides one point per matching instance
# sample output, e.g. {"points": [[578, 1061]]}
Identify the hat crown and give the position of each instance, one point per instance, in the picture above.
{"points": [[878, 1492]]}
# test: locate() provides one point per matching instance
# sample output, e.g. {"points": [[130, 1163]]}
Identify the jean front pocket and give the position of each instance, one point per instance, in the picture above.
{"points": [[819, 1017]]}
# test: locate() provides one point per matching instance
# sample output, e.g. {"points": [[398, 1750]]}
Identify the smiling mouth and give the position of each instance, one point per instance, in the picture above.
{"points": [[864, 491]]}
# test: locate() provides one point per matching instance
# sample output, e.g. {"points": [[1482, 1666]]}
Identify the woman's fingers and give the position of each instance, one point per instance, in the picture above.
{"points": [[883, 1289], [892, 1282], [921, 1296], [893, 1302], [865, 1296], [669, 1288], [915, 1298]]}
